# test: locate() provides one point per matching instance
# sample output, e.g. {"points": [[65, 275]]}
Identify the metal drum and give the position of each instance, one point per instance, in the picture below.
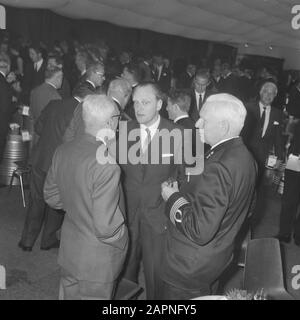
{"points": [[15, 150]]}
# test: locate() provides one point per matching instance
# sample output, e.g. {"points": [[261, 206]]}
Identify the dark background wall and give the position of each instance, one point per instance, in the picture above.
{"points": [[47, 26]]}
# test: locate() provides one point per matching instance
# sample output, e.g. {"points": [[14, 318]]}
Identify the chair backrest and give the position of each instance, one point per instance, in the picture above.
{"points": [[263, 269]]}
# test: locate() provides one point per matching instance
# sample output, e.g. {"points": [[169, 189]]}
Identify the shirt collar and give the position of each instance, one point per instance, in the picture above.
{"points": [[51, 84], [39, 64], [76, 98], [89, 81], [224, 140], [3, 74], [261, 107], [153, 127], [181, 117]]}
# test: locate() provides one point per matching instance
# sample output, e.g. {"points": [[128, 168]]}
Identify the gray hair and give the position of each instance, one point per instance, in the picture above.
{"points": [[96, 110], [119, 86], [270, 85], [227, 107]]}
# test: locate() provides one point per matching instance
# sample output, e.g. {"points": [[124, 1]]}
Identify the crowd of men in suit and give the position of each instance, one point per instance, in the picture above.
{"points": [[114, 215]]}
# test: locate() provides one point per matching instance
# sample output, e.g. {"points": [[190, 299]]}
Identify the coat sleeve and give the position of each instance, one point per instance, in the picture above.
{"points": [[108, 218], [51, 191], [198, 215]]}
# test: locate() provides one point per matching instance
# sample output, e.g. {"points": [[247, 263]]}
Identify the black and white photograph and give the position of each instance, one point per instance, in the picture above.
{"points": [[149, 151]]}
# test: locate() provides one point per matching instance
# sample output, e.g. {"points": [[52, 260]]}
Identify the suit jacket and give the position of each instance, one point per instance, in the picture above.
{"points": [[142, 182], [193, 112], [94, 237], [214, 206], [165, 78], [251, 133], [5, 112], [146, 73], [293, 107], [230, 85], [51, 126], [188, 123], [40, 97], [184, 81]]}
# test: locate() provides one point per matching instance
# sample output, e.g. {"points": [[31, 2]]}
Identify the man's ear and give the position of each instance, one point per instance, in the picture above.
{"points": [[159, 104], [225, 126]]}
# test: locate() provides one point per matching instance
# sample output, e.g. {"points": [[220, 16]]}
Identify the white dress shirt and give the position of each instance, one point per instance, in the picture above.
{"points": [[197, 98], [267, 117], [38, 65], [152, 129]]}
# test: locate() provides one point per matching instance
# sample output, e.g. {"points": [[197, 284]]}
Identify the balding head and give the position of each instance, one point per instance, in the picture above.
{"points": [[268, 92], [120, 89], [222, 117], [97, 113]]}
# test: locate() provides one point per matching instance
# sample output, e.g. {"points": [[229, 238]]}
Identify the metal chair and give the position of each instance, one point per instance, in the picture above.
{"points": [[263, 269], [127, 290], [19, 172]]}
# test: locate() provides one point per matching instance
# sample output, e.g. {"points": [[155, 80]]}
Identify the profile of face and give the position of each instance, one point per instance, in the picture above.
{"points": [[34, 56], [126, 74], [59, 79], [52, 63], [146, 105], [124, 57], [211, 128], [267, 94], [200, 84], [171, 109], [114, 119], [98, 77], [80, 61], [191, 68]]}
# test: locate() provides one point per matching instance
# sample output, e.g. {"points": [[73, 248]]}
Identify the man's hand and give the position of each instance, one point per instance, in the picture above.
{"points": [[167, 189]]}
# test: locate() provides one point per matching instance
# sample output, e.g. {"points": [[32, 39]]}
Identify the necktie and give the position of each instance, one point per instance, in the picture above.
{"points": [[200, 102], [262, 120], [147, 140]]}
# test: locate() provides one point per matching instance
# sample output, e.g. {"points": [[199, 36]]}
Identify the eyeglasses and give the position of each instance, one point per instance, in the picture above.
{"points": [[101, 74]]}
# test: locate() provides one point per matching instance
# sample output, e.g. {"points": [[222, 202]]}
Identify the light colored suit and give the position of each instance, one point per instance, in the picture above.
{"points": [[94, 236]]}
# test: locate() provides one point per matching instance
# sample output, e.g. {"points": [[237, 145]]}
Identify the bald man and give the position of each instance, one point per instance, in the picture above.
{"points": [[94, 236], [206, 214]]}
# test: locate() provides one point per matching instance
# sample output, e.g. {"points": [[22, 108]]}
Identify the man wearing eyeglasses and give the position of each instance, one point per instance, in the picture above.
{"points": [[94, 77], [94, 236]]}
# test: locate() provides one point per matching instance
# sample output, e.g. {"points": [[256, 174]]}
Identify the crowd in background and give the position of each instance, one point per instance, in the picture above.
{"points": [[54, 81]]}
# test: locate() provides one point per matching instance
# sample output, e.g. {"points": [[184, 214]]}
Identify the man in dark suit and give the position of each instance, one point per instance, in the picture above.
{"points": [[178, 107], [142, 179], [50, 126], [120, 91], [185, 80], [94, 236], [94, 77], [5, 102], [34, 72], [161, 73], [47, 91], [205, 216], [229, 82], [263, 125], [199, 93], [132, 73]]}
